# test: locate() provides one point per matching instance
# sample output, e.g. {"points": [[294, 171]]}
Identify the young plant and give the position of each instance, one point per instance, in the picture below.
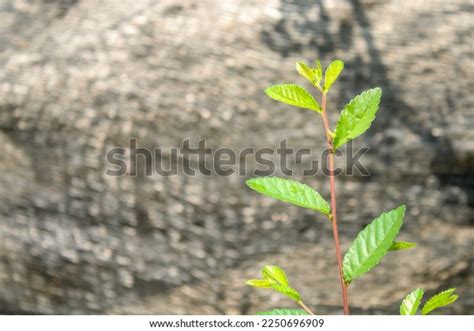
{"points": [[377, 238]]}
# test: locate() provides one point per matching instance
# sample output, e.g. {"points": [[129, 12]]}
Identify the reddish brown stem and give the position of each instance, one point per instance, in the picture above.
{"points": [[335, 231]]}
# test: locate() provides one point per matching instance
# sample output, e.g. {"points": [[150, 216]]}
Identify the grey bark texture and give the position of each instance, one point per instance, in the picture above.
{"points": [[80, 77]]}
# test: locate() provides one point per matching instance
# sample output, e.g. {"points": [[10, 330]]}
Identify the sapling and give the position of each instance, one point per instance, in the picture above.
{"points": [[377, 238]]}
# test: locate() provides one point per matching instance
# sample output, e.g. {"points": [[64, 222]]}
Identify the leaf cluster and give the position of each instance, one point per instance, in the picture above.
{"points": [[411, 303], [275, 278], [356, 116]]}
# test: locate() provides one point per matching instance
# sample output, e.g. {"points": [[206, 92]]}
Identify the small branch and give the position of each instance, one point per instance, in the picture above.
{"points": [[333, 218], [301, 303]]}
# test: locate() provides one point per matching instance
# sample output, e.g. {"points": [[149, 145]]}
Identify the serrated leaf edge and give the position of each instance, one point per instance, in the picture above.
{"points": [[322, 207], [315, 105], [352, 253], [413, 299], [447, 295], [339, 141]]}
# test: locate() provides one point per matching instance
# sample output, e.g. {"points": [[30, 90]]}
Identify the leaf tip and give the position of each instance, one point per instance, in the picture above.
{"points": [[402, 208], [268, 90], [299, 64], [339, 62]]}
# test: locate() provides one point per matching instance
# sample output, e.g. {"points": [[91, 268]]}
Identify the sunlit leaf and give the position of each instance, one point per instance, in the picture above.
{"points": [[332, 72], [314, 75], [439, 300], [260, 283], [411, 302], [318, 72], [294, 95], [357, 116], [275, 278], [286, 290], [372, 243], [290, 191], [273, 273], [399, 245], [306, 71]]}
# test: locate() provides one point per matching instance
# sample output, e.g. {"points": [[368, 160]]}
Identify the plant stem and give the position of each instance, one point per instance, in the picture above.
{"points": [[301, 303], [333, 217]]}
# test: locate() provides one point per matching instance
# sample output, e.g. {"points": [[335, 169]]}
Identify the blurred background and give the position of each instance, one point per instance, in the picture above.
{"points": [[78, 77]]}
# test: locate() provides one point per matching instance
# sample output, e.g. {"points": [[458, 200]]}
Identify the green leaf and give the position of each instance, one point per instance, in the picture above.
{"points": [[411, 302], [314, 75], [372, 244], [283, 312], [290, 191], [286, 290], [399, 245], [318, 72], [331, 74], [294, 95], [260, 283], [275, 274], [439, 300], [357, 116], [306, 71], [275, 278]]}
